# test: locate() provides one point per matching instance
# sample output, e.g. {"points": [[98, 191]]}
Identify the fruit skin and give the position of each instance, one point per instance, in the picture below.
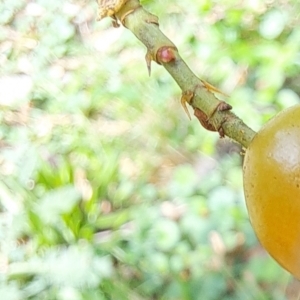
{"points": [[271, 174]]}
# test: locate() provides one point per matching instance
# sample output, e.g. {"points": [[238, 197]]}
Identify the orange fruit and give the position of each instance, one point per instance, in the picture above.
{"points": [[271, 174]]}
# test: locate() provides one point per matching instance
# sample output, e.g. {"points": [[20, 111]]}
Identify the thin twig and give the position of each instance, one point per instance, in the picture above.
{"points": [[212, 113]]}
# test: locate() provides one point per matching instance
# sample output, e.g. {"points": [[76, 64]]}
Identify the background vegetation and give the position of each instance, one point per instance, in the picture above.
{"points": [[107, 190]]}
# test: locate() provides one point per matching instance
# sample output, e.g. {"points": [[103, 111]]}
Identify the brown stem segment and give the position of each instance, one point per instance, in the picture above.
{"points": [[160, 49]]}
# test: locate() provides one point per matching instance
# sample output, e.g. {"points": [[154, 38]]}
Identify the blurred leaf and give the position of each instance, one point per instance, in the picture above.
{"points": [[113, 220], [166, 234], [184, 181], [10, 292], [57, 202], [272, 24]]}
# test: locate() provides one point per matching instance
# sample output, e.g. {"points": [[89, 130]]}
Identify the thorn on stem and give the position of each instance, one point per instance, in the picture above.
{"points": [[224, 106], [148, 59], [186, 97], [212, 88]]}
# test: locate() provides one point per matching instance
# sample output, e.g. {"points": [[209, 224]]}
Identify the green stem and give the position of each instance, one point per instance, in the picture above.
{"points": [[145, 27]]}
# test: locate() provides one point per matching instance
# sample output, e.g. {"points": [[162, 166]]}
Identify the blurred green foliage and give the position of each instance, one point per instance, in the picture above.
{"points": [[107, 191]]}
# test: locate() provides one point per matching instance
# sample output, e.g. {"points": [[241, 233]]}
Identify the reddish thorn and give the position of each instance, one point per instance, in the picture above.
{"points": [[224, 106]]}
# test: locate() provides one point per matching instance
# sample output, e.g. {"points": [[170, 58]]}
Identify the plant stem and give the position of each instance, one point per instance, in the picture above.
{"points": [[212, 113]]}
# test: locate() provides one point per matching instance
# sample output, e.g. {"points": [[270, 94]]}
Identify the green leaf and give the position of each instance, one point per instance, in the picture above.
{"points": [[57, 202]]}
